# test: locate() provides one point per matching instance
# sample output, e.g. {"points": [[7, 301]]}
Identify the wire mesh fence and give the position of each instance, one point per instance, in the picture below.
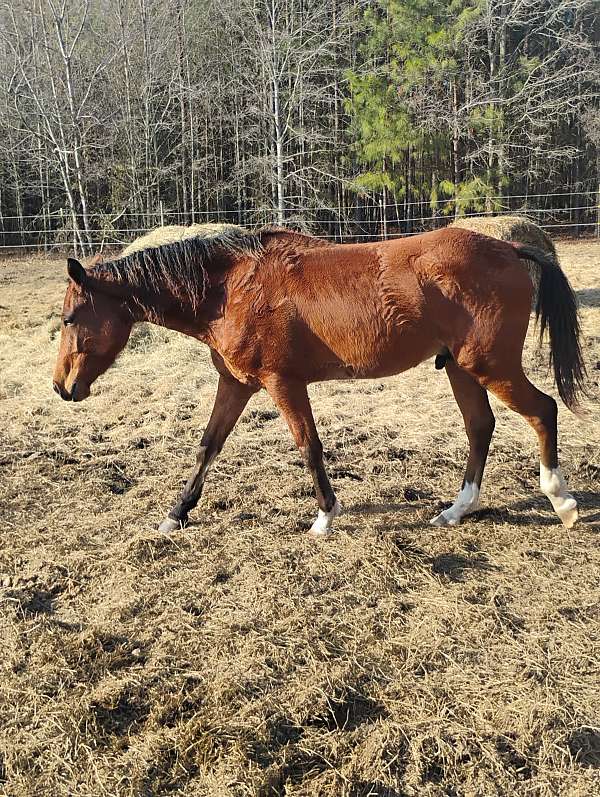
{"points": [[561, 213]]}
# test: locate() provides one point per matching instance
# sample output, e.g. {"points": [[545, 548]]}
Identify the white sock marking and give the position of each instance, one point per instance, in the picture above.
{"points": [[324, 521], [553, 484], [466, 502]]}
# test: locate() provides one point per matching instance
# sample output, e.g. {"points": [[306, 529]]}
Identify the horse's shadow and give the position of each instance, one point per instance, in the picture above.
{"points": [[587, 502], [454, 566], [588, 297], [515, 513], [379, 508]]}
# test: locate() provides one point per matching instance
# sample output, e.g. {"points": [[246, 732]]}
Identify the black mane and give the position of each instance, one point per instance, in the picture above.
{"points": [[182, 268]]}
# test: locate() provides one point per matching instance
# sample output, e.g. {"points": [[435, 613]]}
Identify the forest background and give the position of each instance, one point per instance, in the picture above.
{"points": [[347, 118]]}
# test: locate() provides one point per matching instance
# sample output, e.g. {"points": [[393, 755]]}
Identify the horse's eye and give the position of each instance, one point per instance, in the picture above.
{"points": [[68, 319]]}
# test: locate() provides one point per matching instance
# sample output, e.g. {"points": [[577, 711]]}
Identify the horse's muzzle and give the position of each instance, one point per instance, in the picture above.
{"points": [[64, 394]]}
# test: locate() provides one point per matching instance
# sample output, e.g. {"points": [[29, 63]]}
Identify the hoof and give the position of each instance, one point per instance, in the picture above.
{"points": [[324, 522], [444, 520], [318, 533], [569, 514], [169, 524]]}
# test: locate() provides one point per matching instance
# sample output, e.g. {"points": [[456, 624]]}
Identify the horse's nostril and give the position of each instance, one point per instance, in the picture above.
{"points": [[73, 391]]}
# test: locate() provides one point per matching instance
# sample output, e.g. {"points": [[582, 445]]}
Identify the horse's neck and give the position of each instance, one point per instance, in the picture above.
{"points": [[181, 301], [163, 312], [176, 312]]}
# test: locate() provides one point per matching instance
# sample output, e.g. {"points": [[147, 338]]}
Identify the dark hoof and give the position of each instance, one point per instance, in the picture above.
{"points": [[169, 524]]}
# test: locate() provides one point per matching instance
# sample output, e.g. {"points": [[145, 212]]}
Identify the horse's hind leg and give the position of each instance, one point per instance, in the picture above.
{"points": [[540, 410], [292, 399], [232, 396], [479, 422]]}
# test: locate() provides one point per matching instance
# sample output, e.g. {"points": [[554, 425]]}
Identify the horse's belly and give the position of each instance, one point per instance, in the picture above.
{"points": [[364, 355], [382, 331]]}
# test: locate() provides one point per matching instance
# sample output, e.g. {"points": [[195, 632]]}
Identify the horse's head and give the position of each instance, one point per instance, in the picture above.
{"points": [[96, 326]]}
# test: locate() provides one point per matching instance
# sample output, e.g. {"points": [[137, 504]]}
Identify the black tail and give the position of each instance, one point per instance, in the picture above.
{"points": [[556, 308]]}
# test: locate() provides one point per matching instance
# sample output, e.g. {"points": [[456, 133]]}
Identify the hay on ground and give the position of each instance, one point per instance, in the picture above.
{"points": [[235, 658]]}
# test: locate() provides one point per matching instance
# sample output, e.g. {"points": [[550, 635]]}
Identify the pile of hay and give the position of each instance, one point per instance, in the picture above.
{"points": [[164, 235], [176, 232]]}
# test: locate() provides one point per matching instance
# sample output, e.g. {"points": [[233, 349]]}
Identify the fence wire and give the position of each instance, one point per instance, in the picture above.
{"points": [[360, 221]]}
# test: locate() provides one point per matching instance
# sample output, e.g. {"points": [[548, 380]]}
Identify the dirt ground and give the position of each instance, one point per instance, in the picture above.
{"points": [[236, 657]]}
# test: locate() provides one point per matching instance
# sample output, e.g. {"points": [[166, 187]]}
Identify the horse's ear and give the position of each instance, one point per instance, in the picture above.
{"points": [[76, 271]]}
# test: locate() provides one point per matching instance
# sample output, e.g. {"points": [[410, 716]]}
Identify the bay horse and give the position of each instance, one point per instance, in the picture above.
{"points": [[280, 310]]}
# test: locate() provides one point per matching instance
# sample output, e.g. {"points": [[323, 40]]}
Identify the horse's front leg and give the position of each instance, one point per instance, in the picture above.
{"points": [[292, 399], [232, 396]]}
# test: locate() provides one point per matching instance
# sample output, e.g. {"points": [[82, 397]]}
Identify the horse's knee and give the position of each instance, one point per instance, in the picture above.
{"points": [[484, 425]]}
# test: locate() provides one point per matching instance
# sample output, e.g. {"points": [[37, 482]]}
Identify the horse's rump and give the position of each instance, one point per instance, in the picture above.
{"points": [[476, 290]]}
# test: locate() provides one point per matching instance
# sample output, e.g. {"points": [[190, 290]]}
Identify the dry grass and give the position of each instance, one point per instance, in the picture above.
{"points": [[238, 658]]}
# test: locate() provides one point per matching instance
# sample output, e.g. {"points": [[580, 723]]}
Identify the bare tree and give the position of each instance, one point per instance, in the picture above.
{"points": [[119, 115]]}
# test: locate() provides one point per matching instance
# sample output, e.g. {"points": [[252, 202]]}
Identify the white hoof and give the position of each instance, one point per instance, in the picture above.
{"points": [[443, 520], [553, 484], [568, 512], [324, 522], [169, 524], [466, 502]]}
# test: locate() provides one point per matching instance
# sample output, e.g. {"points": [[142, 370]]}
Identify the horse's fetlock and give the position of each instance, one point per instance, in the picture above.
{"points": [[178, 515]]}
